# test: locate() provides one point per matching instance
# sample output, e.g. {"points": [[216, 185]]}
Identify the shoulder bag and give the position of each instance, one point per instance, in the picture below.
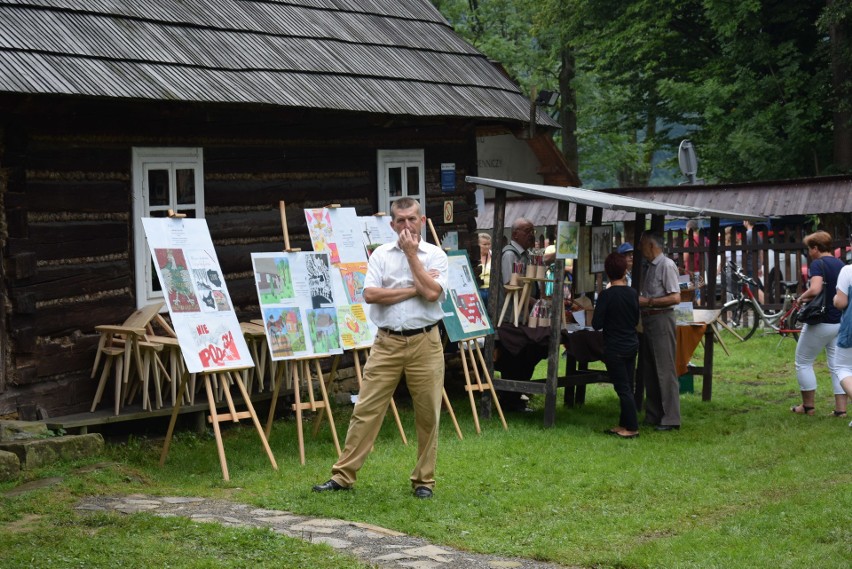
{"points": [[814, 311]]}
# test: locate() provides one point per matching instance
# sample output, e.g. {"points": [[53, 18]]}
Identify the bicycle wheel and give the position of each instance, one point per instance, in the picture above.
{"points": [[740, 320], [791, 326]]}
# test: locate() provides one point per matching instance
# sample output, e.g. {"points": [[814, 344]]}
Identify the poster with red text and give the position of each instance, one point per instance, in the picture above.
{"points": [[196, 295]]}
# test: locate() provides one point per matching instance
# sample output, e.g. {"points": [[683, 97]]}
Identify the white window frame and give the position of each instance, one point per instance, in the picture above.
{"points": [[404, 159], [171, 159]]}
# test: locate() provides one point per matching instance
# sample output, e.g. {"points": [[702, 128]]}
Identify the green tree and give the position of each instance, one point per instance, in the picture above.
{"points": [[762, 87]]}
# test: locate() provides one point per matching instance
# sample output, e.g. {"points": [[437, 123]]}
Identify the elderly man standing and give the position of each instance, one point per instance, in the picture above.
{"points": [[512, 365], [659, 292], [405, 285]]}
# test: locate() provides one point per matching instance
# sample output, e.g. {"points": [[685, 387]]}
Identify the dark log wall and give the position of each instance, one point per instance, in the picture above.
{"points": [[66, 185]]}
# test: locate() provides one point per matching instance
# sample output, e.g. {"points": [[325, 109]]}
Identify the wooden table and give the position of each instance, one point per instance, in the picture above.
{"points": [[527, 346]]}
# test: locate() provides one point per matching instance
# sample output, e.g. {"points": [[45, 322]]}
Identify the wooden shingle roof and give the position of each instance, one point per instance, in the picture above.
{"points": [[397, 57]]}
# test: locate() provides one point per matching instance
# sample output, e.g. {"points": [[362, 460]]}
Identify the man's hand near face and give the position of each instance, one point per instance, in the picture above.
{"points": [[408, 242]]}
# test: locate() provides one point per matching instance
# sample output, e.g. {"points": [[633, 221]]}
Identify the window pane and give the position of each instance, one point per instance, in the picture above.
{"points": [[395, 181], [413, 179], [158, 213], [158, 187], [185, 179], [188, 212]]}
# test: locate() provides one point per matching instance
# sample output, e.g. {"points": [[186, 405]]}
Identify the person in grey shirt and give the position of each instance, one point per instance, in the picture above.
{"points": [[659, 292]]}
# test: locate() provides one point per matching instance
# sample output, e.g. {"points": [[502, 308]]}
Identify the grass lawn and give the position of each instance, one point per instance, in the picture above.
{"points": [[744, 483]]}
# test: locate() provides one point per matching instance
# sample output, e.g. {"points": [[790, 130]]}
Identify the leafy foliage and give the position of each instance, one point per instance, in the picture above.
{"points": [[750, 83]]}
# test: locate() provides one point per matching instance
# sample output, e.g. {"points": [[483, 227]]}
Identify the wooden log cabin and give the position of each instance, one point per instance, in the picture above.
{"points": [[113, 111]]}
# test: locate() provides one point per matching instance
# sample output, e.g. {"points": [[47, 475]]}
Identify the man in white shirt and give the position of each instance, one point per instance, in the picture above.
{"points": [[405, 285]]}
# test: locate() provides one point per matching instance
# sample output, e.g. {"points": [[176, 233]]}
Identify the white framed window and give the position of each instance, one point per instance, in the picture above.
{"points": [[163, 179], [401, 173]]}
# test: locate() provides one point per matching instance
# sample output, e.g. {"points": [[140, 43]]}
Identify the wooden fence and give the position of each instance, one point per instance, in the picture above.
{"points": [[777, 256]]}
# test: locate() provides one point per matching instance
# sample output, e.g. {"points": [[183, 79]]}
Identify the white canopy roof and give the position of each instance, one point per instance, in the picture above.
{"points": [[606, 200]]}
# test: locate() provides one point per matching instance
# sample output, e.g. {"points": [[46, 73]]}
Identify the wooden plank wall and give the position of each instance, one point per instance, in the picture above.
{"points": [[67, 191]]}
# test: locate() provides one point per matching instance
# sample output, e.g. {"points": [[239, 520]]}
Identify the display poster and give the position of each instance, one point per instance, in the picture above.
{"points": [[377, 231], [196, 295], [567, 239], [464, 314], [297, 303], [340, 232]]}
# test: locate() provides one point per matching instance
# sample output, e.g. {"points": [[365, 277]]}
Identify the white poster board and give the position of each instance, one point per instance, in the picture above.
{"points": [[377, 231], [340, 232], [196, 295], [297, 305]]}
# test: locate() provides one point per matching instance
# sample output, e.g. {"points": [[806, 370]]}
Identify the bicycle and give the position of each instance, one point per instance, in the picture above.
{"points": [[742, 315]]}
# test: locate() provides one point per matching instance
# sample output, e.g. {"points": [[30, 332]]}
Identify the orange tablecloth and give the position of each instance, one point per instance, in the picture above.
{"points": [[688, 337]]}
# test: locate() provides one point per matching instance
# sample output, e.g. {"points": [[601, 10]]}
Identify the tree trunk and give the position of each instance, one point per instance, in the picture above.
{"points": [[568, 112], [841, 72]]}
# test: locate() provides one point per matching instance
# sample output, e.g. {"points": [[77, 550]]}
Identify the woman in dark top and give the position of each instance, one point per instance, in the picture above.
{"points": [[823, 272], [617, 314]]}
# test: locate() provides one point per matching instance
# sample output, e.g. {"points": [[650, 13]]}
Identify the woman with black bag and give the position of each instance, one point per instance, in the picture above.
{"points": [[817, 336]]}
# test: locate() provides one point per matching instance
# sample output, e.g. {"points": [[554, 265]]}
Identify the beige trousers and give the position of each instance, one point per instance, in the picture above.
{"points": [[421, 359]]}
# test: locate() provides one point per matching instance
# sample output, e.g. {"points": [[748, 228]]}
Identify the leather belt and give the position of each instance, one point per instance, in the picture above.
{"points": [[660, 311], [412, 332]]}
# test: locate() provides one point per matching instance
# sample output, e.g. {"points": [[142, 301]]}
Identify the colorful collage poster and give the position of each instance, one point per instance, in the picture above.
{"points": [[194, 289], [297, 304], [464, 314], [339, 232]]}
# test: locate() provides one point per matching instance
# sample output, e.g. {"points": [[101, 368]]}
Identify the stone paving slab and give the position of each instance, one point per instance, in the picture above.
{"points": [[371, 544]]}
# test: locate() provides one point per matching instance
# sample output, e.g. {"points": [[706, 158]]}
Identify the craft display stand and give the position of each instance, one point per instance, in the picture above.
{"points": [[224, 378], [518, 297], [513, 299], [471, 347]]}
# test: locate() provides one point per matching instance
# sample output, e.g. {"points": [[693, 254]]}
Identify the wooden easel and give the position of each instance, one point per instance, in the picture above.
{"points": [[225, 378], [295, 370], [471, 346], [444, 391]]}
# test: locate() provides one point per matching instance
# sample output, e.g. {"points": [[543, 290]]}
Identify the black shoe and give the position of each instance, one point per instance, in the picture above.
{"points": [[422, 492], [667, 428], [330, 485]]}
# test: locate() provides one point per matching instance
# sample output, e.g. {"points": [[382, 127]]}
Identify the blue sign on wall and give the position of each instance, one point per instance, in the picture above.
{"points": [[448, 177]]}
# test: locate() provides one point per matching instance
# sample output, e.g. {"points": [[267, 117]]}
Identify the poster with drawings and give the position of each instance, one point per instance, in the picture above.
{"points": [[340, 233], [196, 295], [297, 303], [465, 315]]}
